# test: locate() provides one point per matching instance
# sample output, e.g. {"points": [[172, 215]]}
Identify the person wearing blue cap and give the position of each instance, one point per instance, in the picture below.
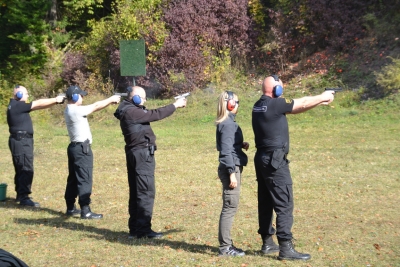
{"points": [[80, 156]]}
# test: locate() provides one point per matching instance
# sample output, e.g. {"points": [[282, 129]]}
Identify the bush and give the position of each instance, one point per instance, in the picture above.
{"points": [[200, 32], [389, 78], [99, 52]]}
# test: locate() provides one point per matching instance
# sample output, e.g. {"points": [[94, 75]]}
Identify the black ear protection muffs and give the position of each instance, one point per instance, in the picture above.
{"points": [[19, 95], [277, 91], [231, 103], [136, 99]]}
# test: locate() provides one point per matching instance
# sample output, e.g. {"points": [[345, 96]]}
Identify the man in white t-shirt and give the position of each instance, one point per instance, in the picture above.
{"points": [[80, 156]]}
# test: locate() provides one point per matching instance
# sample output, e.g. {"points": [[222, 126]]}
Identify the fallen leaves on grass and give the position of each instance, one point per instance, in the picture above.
{"points": [[30, 233]]}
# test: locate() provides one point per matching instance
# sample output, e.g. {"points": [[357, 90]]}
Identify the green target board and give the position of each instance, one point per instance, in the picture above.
{"points": [[132, 57]]}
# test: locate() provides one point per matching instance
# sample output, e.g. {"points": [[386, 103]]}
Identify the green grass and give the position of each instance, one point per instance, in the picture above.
{"points": [[344, 163]]}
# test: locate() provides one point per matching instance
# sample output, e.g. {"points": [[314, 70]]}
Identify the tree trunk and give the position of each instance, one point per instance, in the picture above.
{"points": [[53, 12]]}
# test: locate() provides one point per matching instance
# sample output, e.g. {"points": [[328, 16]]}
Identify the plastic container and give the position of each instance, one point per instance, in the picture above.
{"points": [[3, 191]]}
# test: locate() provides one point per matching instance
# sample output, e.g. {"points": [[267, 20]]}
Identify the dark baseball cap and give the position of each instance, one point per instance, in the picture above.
{"points": [[74, 89]]}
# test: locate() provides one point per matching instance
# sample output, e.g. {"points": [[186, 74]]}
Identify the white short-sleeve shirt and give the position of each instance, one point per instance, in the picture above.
{"points": [[77, 123]]}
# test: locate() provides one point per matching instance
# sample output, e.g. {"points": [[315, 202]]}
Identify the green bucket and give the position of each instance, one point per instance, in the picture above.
{"points": [[3, 191]]}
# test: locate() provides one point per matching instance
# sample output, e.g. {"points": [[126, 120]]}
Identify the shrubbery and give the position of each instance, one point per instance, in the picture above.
{"points": [[389, 78], [200, 33], [193, 43]]}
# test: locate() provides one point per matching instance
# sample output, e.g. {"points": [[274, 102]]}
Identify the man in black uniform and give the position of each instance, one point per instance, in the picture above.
{"points": [[275, 192], [140, 146], [21, 140]]}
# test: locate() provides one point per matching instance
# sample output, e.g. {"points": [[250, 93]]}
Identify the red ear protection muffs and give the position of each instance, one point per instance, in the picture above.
{"points": [[231, 103], [277, 91]]}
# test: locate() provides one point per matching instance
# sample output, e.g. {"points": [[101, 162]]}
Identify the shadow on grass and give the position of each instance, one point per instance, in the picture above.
{"points": [[64, 221]]}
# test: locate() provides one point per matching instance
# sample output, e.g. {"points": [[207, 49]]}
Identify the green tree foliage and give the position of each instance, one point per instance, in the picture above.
{"points": [[79, 13], [79, 7], [189, 43], [129, 20], [23, 36], [5, 95]]}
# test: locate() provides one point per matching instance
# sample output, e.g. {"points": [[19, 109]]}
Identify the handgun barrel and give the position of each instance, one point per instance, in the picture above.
{"points": [[336, 89], [182, 95], [121, 94]]}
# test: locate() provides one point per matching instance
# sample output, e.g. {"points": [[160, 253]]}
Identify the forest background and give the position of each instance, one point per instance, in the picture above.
{"points": [[209, 45]]}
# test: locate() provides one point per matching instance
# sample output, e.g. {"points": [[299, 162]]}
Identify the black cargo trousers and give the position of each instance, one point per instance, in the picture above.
{"points": [[275, 193], [80, 177], [21, 147], [141, 166]]}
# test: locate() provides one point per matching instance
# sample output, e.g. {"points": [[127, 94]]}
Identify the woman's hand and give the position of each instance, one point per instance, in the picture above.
{"points": [[233, 183], [245, 145]]}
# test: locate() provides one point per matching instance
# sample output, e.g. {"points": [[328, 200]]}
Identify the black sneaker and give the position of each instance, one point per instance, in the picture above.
{"points": [[74, 212], [27, 202], [231, 251]]}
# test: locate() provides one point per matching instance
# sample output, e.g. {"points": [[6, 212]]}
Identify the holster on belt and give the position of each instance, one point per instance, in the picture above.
{"points": [[152, 149], [85, 146]]}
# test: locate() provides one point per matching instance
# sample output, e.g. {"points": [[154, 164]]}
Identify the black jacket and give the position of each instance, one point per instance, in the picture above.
{"points": [[9, 260], [135, 123]]}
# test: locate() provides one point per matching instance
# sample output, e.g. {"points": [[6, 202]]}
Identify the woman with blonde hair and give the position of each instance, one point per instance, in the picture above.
{"points": [[230, 143]]}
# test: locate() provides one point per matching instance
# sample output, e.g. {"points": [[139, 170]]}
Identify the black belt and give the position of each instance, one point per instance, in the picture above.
{"points": [[78, 143], [21, 134]]}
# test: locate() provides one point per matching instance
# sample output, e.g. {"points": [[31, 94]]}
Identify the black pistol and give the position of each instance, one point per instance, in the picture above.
{"points": [[335, 89]]}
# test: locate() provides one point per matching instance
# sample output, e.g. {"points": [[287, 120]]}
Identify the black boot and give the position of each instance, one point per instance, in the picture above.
{"points": [[73, 211], [268, 245], [287, 251], [86, 213]]}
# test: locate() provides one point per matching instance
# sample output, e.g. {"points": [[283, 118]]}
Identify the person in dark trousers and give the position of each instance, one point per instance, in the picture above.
{"points": [[140, 149], [21, 140], [231, 158], [275, 191], [80, 155]]}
